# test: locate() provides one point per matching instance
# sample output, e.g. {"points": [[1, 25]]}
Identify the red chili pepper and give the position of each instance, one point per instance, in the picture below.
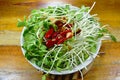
{"points": [[69, 25], [69, 35], [65, 32], [59, 23], [58, 37], [49, 33], [55, 40], [54, 34], [61, 41], [50, 43]]}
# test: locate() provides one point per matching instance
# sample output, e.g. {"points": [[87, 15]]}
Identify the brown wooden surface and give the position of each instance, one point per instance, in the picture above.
{"points": [[13, 65], [10, 10]]}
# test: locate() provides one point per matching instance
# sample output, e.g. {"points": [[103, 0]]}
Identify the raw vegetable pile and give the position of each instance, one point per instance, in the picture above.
{"points": [[61, 37]]}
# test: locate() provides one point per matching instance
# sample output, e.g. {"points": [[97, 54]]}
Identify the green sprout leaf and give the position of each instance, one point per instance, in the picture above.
{"points": [[44, 77], [21, 23], [113, 38]]}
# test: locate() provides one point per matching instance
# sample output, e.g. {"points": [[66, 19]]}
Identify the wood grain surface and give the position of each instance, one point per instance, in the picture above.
{"points": [[13, 65], [11, 10]]}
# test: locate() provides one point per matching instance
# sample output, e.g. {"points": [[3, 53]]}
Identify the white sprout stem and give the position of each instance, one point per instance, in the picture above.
{"points": [[104, 26], [83, 22], [55, 59], [39, 12], [83, 56], [71, 18], [81, 74], [62, 10], [37, 33], [89, 10], [44, 39], [78, 57], [92, 30], [79, 71], [89, 31], [47, 55], [56, 16], [75, 30], [70, 52], [88, 53], [54, 10], [72, 60]]}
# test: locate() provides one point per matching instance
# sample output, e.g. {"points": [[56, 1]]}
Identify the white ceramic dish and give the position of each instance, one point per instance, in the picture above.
{"points": [[79, 67]]}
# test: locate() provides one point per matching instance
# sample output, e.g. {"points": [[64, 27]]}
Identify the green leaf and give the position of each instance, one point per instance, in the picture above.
{"points": [[39, 63], [44, 77], [29, 37], [86, 56], [46, 25], [50, 7], [28, 56], [104, 30], [43, 47], [67, 6], [113, 38], [34, 60], [99, 35], [58, 69], [55, 27], [42, 34], [84, 9], [79, 16], [42, 9], [90, 38], [25, 31], [34, 11], [47, 62], [93, 47], [21, 23], [30, 46]]}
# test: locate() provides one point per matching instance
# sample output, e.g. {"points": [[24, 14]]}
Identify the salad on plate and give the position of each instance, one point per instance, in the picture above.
{"points": [[59, 38]]}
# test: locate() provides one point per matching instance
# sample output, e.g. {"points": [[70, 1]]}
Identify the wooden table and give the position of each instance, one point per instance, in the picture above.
{"points": [[13, 65]]}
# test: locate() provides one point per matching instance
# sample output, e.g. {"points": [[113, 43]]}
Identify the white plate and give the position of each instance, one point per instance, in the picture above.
{"points": [[79, 67]]}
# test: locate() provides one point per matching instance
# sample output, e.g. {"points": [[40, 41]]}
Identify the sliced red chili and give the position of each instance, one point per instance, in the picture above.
{"points": [[59, 23], [55, 40], [61, 40], [69, 35], [50, 43], [55, 34], [65, 32], [49, 33], [69, 25], [62, 34], [59, 36]]}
